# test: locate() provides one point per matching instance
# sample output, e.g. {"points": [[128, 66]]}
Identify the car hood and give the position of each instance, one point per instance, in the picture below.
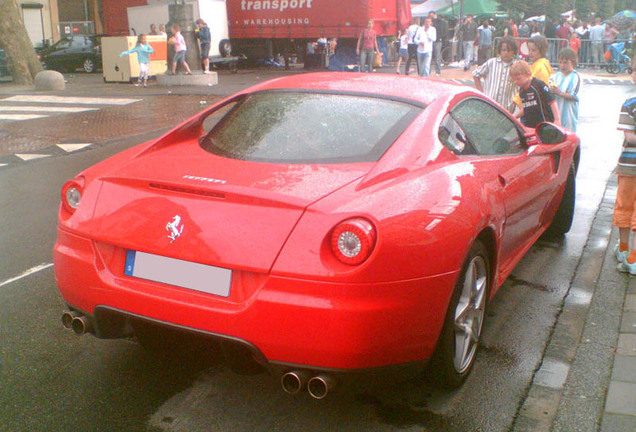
{"points": [[228, 213]]}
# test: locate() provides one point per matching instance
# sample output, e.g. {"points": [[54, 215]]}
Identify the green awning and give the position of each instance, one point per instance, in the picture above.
{"points": [[477, 8]]}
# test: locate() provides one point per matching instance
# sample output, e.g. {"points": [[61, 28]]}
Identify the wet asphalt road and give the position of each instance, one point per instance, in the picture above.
{"points": [[52, 380]]}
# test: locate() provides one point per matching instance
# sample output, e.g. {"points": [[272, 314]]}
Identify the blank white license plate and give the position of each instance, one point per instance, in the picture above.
{"points": [[185, 274]]}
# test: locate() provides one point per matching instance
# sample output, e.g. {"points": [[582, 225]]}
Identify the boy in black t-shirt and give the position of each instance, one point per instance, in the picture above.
{"points": [[538, 104]]}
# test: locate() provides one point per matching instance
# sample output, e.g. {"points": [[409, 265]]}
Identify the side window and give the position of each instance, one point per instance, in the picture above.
{"points": [[487, 129], [63, 44], [79, 41], [453, 137]]}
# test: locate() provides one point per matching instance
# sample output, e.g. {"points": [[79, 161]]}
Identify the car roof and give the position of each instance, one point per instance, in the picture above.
{"points": [[417, 89]]}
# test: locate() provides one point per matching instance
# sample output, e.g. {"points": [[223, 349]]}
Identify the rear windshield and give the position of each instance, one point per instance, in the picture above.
{"points": [[296, 127]]}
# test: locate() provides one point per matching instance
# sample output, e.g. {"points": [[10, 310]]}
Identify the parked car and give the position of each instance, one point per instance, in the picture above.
{"points": [[5, 66], [326, 223], [71, 53]]}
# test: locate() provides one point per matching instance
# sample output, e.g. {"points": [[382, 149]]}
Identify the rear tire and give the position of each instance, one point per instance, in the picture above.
{"points": [[88, 65], [562, 221], [612, 68], [459, 340]]}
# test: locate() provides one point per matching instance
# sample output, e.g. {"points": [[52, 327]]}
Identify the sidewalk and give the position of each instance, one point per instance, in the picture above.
{"points": [[587, 380]]}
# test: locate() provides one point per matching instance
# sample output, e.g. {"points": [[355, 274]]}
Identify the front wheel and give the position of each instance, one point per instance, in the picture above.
{"points": [[562, 221], [457, 347], [612, 68]]}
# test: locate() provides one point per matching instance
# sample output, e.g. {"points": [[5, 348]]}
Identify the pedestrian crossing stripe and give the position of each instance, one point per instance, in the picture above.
{"points": [[70, 100], [54, 109], [70, 148], [18, 117], [28, 157]]}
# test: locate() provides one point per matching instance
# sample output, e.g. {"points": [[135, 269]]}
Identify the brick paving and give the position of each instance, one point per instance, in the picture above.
{"points": [[151, 113]]}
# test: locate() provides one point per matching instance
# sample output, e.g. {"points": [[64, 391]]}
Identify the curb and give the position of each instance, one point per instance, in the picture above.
{"points": [[569, 390]]}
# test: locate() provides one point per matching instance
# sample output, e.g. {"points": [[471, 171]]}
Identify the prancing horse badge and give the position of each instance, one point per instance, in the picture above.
{"points": [[173, 228]]}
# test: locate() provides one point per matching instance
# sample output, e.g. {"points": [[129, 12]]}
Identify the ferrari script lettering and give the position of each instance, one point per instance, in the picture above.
{"points": [[173, 228], [280, 5]]}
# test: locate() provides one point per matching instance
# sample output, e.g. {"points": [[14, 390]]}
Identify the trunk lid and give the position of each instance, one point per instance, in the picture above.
{"points": [[185, 203]]}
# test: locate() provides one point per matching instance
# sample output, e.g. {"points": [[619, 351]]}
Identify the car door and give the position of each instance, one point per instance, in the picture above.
{"points": [[55, 59], [77, 51], [525, 184]]}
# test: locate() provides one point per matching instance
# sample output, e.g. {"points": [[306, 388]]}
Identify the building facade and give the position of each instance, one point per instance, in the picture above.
{"points": [[41, 20]]}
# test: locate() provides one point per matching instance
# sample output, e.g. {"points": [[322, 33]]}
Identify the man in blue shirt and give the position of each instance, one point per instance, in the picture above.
{"points": [[484, 43]]}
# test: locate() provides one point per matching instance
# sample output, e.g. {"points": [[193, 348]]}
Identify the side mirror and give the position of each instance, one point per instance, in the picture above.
{"points": [[548, 133]]}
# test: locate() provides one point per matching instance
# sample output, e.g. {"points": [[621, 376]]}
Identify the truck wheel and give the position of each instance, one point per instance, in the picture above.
{"points": [[225, 48]]}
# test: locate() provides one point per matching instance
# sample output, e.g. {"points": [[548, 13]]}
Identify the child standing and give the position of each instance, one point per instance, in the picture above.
{"points": [[575, 42], [143, 51], [537, 103], [541, 69], [624, 214], [205, 39], [567, 83], [180, 48], [496, 74], [403, 37]]}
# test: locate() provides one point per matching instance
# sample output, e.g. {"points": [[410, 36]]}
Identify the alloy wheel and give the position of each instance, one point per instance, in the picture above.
{"points": [[88, 66], [469, 313]]}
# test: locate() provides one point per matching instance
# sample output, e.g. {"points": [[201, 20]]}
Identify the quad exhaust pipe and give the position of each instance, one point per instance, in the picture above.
{"points": [[80, 324], [318, 386]]}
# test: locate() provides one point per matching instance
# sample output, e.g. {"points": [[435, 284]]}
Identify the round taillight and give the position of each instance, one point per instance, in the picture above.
{"points": [[72, 194], [353, 240]]}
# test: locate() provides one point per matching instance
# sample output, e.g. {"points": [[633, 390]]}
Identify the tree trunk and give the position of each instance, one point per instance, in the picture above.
{"points": [[97, 8], [16, 44]]}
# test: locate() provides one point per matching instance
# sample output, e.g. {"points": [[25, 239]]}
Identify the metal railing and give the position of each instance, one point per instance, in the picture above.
{"points": [[591, 53]]}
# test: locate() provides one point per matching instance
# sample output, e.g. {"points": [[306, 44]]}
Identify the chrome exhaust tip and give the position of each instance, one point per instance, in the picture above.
{"points": [[67, 319], [81, 325], [320, 385], [293, 382]]}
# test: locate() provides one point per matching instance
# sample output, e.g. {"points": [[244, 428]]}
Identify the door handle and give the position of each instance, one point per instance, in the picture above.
{"points": [[502, 180]]}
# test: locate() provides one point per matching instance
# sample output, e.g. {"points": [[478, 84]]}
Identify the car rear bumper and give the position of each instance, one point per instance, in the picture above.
{"points": [[285, 320]]}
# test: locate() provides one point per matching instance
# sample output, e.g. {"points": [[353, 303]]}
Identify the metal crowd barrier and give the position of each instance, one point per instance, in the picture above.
{"points": [[591, 54]]}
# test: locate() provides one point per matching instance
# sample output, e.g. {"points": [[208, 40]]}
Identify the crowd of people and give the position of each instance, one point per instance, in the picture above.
{"points": [[475, 42], [177, 42], [530, 91]]}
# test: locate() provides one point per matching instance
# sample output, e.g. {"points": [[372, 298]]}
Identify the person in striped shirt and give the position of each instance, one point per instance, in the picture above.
{"points": [[566, 86], [495, 73], [625, 205]]}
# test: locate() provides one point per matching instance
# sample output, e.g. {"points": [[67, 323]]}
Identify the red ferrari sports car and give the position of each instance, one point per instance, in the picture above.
{"points": [[325, 223]]}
